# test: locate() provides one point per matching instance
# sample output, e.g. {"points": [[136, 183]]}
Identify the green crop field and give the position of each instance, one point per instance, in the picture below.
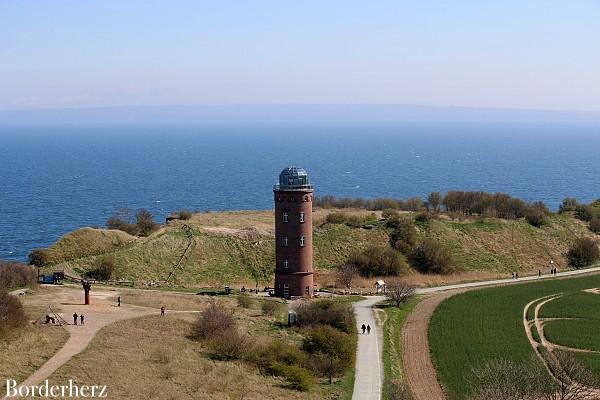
{"points": [[579, 334], [472, 328]]}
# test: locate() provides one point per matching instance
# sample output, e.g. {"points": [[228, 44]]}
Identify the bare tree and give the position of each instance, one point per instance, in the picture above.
{"points": [[572, 380], [508, 380], [435, 201], [346, 274], [399, 291]]}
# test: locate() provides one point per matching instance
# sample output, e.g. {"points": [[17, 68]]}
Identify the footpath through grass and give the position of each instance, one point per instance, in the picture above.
{"points": [[392, 342], [472, 328]]}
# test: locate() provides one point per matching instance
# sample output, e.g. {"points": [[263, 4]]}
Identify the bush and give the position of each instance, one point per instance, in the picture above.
{"points": [[585, 213], [424, 217], [404, 234], [536, 217], [390, 213], [122, 225], [568, 204], [145, 222], [583, 252], [349, 219], [336, 346], [297, 377], [231, 344], [398, 390], [595, 225], [212, 322], [326, 312], [39, 257], [245, 301], [185, 214], [378, 261], [269, 307], [12, 314], [430, 257], [14, 274], [103, 270]]}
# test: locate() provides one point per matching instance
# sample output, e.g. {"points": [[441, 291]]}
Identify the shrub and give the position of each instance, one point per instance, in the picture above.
{"points": [[245, 301], [212, 322], [424, 217], [185, 214], [378, 261], [337, 346], [297, 377], [585, 213], [348, 219], [145, 222], [536, 217], [14, 274], [12, 314], [432, 258], [583, 252], [390, 213], [230, 344], [404, 234], [568, 204], [269, 307], [345, 274], [39, 257], [103, 269], [398, 390], [326, 312], [122, 225], [595, 225]]}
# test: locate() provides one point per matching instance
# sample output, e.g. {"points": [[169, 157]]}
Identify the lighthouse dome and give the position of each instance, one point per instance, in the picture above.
{"points": [[293, 177]]}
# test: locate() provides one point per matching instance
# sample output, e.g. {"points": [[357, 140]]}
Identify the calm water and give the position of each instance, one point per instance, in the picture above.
{"points": [[56, 179]]}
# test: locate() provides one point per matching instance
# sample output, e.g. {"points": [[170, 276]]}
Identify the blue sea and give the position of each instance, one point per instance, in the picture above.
{"points": [[54, 179]]}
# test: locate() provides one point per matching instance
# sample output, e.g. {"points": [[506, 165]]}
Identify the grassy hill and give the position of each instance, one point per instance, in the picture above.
{"points": [[220, 248]]}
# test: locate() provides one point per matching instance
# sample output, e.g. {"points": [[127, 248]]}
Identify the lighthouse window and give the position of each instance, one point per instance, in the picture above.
{"points": [[301, 240], [285, 241], [285, 217], [285, 263], [301, 217]]}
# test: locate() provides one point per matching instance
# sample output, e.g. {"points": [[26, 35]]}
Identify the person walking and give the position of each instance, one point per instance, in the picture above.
{"points": [[368, 329], [119, 301], [539, 273], [75, 318], [364, 328], [81, 317], [162, 311]]}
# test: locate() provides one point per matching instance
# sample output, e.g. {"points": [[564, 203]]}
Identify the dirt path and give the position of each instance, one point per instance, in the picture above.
{"points": [[419, 372], [100, 313]]}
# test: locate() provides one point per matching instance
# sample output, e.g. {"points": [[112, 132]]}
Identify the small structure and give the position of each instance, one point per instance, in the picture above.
{"points": [[380, 286], [292, 318], [87, 286]]}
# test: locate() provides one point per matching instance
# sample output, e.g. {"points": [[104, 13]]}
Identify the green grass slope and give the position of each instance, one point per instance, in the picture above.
{"points": [[229, 247]]}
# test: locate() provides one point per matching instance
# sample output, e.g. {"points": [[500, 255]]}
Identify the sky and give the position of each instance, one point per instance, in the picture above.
{"points": [[512, 54]]}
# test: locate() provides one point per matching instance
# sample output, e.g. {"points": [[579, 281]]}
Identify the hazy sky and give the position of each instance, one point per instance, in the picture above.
{"points": [[522, 54]]}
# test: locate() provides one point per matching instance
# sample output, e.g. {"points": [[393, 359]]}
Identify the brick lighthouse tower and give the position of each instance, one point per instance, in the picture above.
{"points": [[293, 234]]}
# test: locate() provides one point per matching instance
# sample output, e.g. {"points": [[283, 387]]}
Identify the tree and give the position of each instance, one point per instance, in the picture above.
{"points": [[568, 204], [430, 257], [399, 291], [39, 257], [378, 261], [404, 234], [414, 204], [144, 221], [346, 274], [583, 252], [435, 201]]}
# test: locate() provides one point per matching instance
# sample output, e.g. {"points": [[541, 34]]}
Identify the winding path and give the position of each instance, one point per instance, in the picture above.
{"points": [[369, 362]]}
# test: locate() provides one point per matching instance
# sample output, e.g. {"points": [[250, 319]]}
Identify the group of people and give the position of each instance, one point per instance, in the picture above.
{"points": [[81, 318], [366, 328]]}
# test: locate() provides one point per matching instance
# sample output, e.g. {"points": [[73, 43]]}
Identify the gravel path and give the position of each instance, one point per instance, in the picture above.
{"points": [[369, 362], [97, 315]]}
